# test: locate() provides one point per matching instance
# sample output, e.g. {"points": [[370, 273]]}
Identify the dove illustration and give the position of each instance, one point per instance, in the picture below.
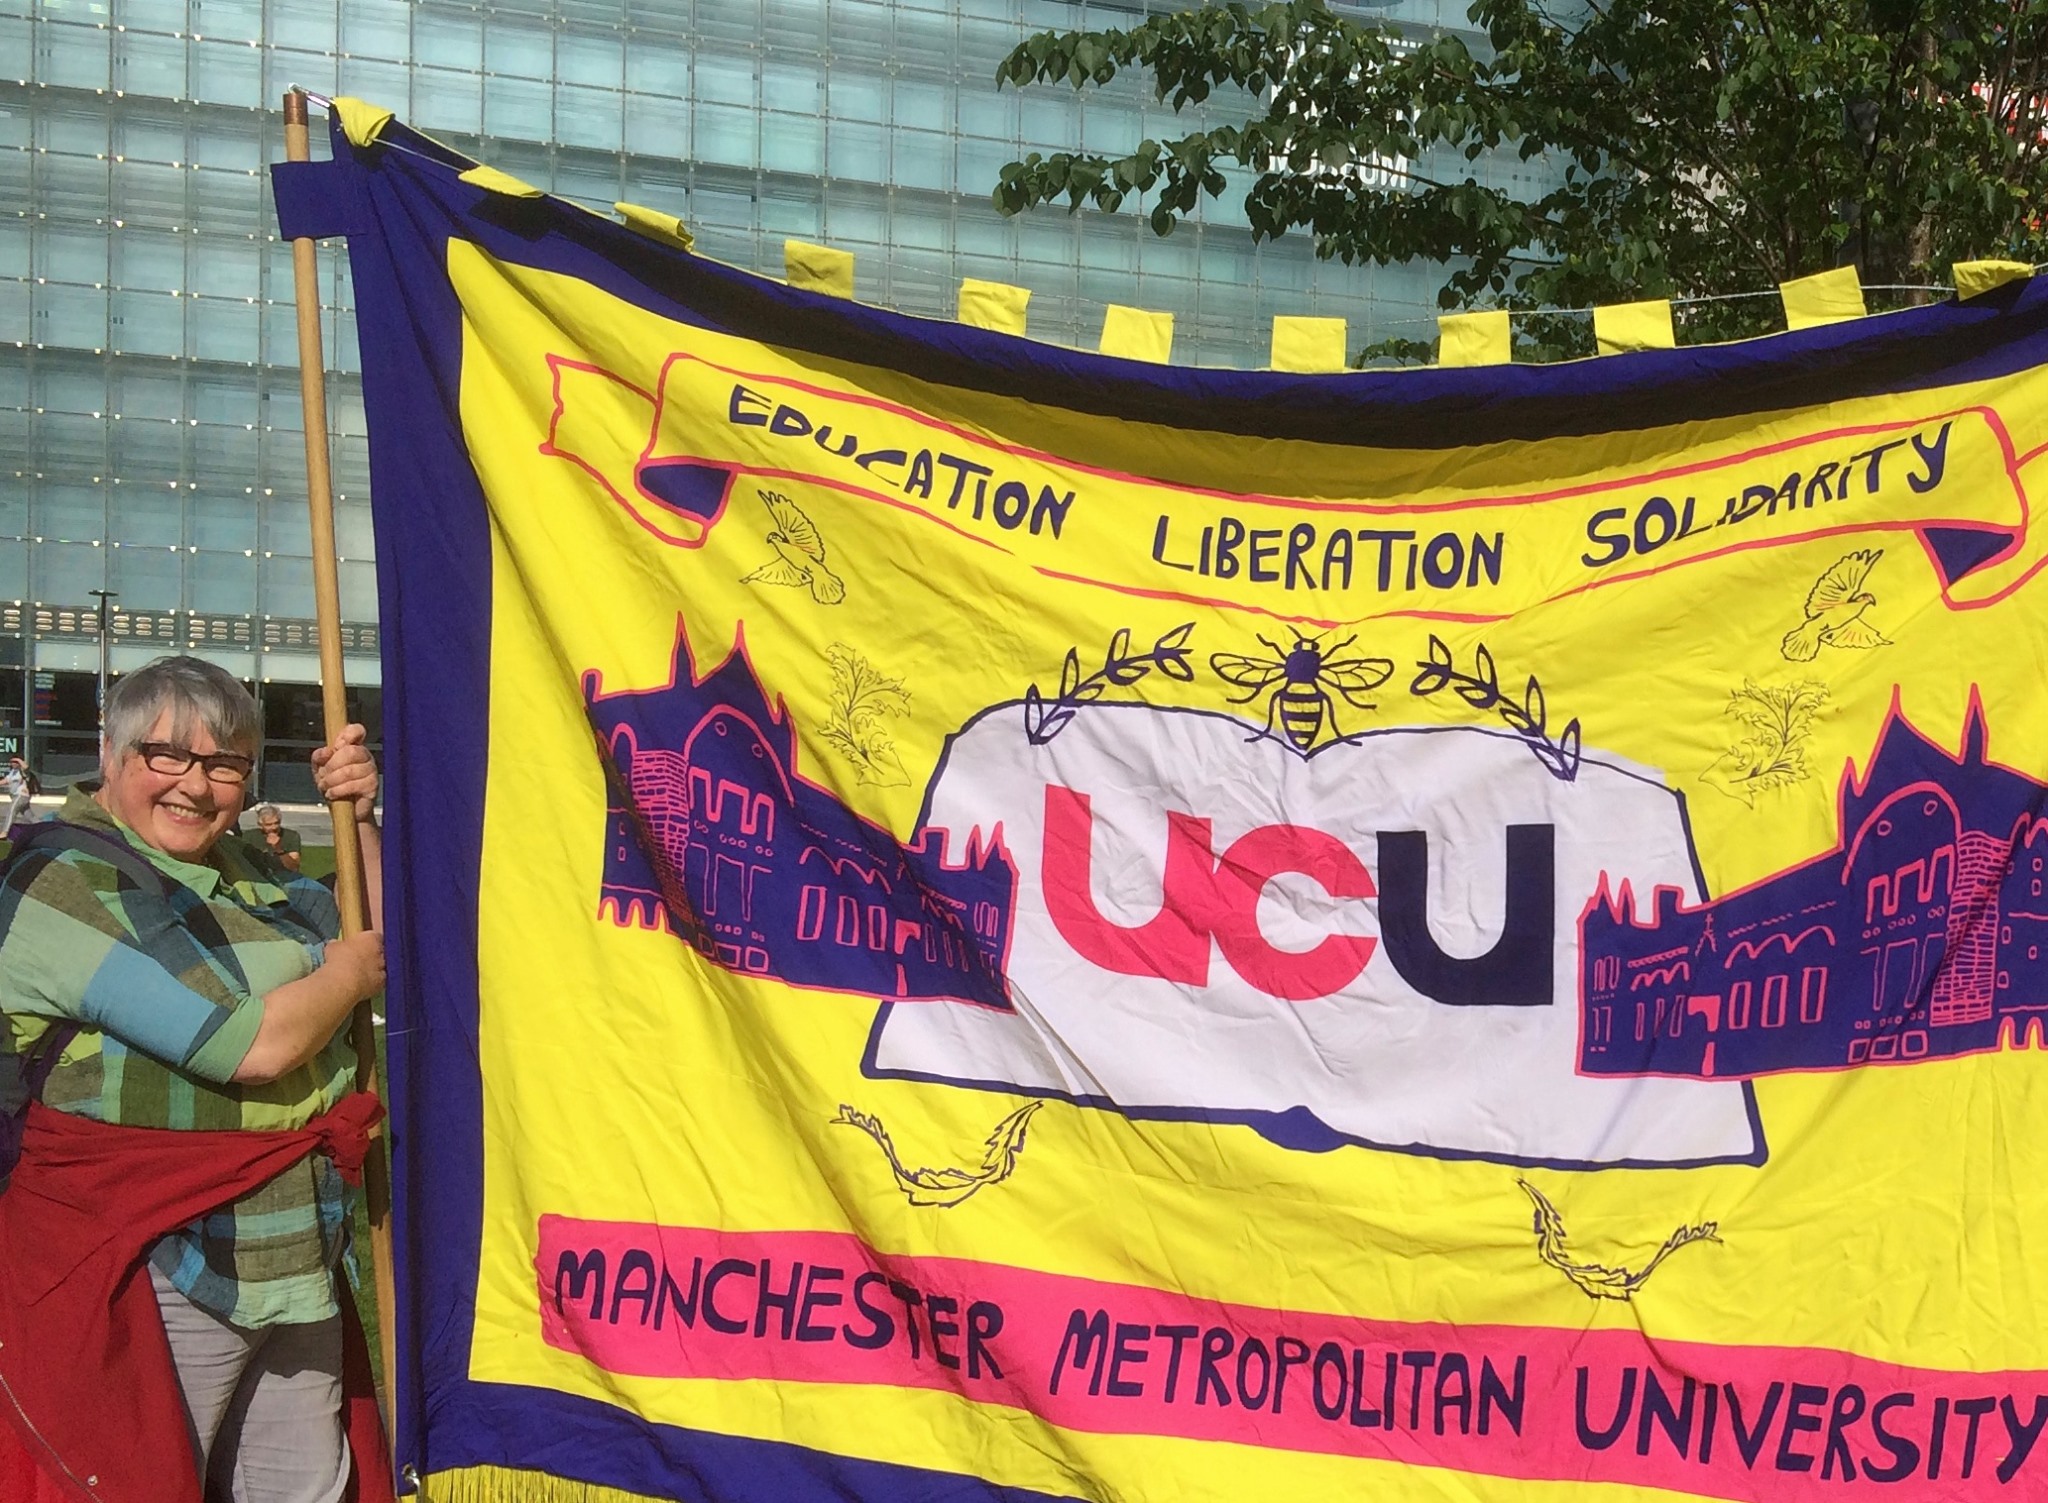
{"points": [[1834, 610], [799, 553]]}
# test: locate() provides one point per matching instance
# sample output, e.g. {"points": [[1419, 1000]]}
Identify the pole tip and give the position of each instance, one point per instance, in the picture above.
{"points": [[294, 107]]}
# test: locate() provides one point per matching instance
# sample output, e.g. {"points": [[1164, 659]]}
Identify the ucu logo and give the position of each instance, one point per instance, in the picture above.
{"points": [[1210, 902]]}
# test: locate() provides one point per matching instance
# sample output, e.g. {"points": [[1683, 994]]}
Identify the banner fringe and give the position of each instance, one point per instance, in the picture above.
{"points": [[504, 1484]]}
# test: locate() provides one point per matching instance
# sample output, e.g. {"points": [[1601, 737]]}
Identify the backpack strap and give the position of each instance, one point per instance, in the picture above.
{"points": [[56, 835]]}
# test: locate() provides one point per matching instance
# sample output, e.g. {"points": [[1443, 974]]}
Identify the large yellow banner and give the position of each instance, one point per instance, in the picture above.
{"points": [[992, 923]]}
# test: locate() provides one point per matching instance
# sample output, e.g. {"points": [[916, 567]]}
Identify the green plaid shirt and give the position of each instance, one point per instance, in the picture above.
{"points": [[168, 995]]}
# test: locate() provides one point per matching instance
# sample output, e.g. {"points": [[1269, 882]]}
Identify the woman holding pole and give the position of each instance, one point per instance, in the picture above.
{"points": [[177, 978]]}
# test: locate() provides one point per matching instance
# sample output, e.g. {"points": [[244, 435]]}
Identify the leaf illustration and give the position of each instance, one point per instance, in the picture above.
{"points": [[885, 698], [863, 699], [839, 657], [1778, 717], [1433, 675], [882, 767], [1568, 749], [1732, 778], [1803, 704], [1482, 691], [1752, 705], [1751, 755], [1120, 669]]}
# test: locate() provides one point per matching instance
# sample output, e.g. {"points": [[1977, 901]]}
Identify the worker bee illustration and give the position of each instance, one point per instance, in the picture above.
{"points": [[1299, 680]]}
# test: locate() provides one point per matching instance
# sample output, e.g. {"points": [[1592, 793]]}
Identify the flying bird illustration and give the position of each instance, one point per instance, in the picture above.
{"points": [[948, 1187], [1834, 610], [1598, 1280], [799, 553]]}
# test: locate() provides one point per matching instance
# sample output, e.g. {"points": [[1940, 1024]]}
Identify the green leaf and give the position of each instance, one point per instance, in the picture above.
{"points": [[1647, 149]]}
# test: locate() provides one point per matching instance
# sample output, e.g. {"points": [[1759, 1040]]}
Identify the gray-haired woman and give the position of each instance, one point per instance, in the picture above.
{"points": [[206, 993]]}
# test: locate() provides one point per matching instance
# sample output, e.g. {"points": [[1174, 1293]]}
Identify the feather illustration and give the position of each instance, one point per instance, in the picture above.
{"points": [[1598, 1280], [948, 1187]]}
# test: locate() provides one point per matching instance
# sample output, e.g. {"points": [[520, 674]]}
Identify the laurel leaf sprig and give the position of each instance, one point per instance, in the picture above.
{"points": [[1527, 717], [1045, 718]]}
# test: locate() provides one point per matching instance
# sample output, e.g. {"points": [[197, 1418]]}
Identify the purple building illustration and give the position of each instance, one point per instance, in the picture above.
{"points": [[712, 835], [1922, 935]]}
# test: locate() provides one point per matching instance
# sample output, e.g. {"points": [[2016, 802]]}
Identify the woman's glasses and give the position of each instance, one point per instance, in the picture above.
{"points": [[231, 768]]}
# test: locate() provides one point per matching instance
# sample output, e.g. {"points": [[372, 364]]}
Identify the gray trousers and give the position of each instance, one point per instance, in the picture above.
{"points": [[265, 1405]]}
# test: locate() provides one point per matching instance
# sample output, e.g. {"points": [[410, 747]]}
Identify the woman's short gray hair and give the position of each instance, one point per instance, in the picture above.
{"points": [[197, 694]]}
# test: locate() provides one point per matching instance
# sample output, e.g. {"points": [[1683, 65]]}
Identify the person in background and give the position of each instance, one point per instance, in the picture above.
{"points": [[215, 1004], [272, 836], [17, 787]]}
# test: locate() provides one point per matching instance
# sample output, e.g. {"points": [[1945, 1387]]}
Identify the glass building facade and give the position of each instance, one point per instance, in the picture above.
{"points": [[151, 444]]}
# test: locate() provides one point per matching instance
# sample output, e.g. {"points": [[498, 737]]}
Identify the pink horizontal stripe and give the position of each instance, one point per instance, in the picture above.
{"points": [[1535, 1402]]}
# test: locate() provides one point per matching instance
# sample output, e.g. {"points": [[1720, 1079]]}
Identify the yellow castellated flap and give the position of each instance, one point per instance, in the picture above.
{"points": [[1975, 278], [1621, 327], [492, 180], [818, 268], [1474, 338], [656, 225], [1830, 297], [1308, 345], [497, 1484], [993, 305], [1136, 334], [361, 122]]}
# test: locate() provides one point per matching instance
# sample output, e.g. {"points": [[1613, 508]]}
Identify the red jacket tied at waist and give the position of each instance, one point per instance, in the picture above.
{"points": [[87, 1389]]}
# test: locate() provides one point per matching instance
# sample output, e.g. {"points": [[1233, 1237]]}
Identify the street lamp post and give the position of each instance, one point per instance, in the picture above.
{"points": [[103, 597]]}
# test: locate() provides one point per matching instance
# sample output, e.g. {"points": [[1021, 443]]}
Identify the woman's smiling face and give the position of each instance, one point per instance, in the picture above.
{"points": [[181, 814]]}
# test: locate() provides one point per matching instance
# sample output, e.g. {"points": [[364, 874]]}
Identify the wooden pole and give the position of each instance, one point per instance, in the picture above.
{"points": [[348, 850]]}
